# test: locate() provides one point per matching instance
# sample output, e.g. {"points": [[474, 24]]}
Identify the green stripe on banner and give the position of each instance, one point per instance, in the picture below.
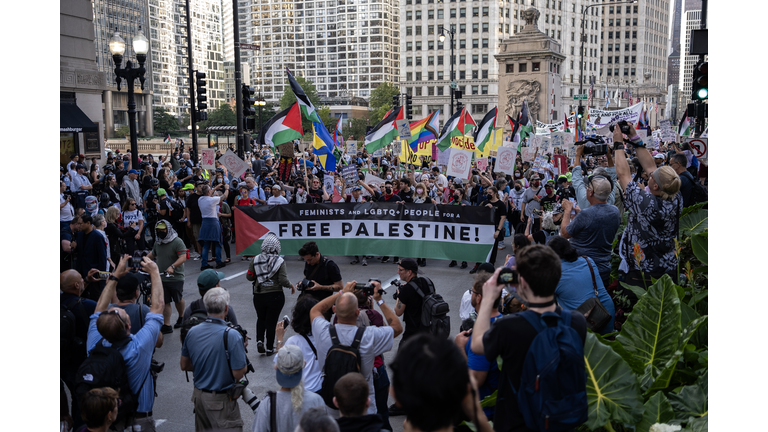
{"points": [[386, 229]]}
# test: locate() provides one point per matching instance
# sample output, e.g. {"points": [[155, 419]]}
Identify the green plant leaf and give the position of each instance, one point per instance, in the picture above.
{"points": [[656, 410], [613, 392], [700, 424], [700, 245], [634, 363], [694, 223], [490, 400], [662, 381], [691, 401], [652, 330], [639, 291], [698, 297], [692, 209]]}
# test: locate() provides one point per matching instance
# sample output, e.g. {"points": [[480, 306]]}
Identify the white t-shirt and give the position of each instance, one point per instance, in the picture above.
{"points": [[132, 216], [313, 372], [375, 341], [66, 213], [442, 180], [277, 200], [208, 206]]}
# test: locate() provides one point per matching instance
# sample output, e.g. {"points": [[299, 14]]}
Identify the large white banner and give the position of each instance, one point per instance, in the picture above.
{"points": [[598, 118]]}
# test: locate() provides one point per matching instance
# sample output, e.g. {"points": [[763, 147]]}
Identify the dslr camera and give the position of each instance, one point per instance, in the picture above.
{"points": [[397, 283], [594, 146], [366, 288], [623, 126], [304, 284]]}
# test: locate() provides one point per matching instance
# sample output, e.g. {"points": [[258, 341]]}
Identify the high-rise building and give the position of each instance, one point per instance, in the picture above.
{"points": [[169, 42], [635, 40], [478, 27], [690, 19], [125, 17], [345, 47]]}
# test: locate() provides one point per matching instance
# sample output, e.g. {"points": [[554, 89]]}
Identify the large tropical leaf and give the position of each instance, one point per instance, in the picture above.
{"points": [[699, 243], [700, 424], [691, 401], [633, 362], [613, 392], [699, 338], [653, 328], [694, 223], [692, 209], [656, 410], [662, 381]]}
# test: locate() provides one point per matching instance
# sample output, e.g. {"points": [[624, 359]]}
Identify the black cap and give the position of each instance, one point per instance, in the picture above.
{"points": [[129, 282], [486, 267], [409, 264], [79, 166]]}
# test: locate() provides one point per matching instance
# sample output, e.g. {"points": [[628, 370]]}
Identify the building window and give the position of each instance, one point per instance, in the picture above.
{"points": [[511, 68], [409, 61], [484, 90], [453, 13], [479, 108], [485, 12], [408, 15], [409, 76], [440, 90], [475, 59], [485, 27], [409, 46], [462, 13], [430, 29], [430, 76], [462, 44], [418, 14], [418, 76], [485, 58], [408, 90], [609, 71], [522, 67], [430, 14], [475, 43], [485, 43], [409, 31], [439, 60], [475, 74], [418, 93], [475, 12], [633, 59], [431, 61], [418, 46], [431, 45], [572, 35], [462, 75], [485, 74], [430, 91], [610, 59], [475, 90], [626, 59], [626, 72], [417, 108], [610, 48], [462, 59], [536, 66], [634, 34], [440, 14], [462, 28], [418, 61], [475, 28], [634, 47], [610, 35], [440, 75], [418, 30], [632, 72], [626, 35]]}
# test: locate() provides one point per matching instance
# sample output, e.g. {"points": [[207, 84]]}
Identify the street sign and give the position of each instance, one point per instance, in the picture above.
{"points": [[252, 47], [453, 84], [580, 96], [699, 147]]}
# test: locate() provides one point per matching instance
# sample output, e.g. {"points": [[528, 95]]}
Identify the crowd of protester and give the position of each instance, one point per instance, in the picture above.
{"points": [[127, 234]]}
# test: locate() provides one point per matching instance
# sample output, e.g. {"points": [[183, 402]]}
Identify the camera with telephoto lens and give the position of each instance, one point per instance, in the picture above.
{"points": [[250, 399], [594, 146], [367, 288], [623, 126], [304, 284]]}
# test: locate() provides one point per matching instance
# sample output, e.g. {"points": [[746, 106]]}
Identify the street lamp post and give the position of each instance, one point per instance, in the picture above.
{"points": [[129, 74], [441, 38], [260, 102], [584, 38]]}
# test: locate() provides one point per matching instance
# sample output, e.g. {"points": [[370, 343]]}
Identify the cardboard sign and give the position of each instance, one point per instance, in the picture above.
{"points": [[208, 158], [286, 149], [328, 181], [505, 160], [444, 156], [527, 153], [459, 163], [234, 164], [349, 173], [699, 147], [351, 147], [482, 164], [403, 129]]}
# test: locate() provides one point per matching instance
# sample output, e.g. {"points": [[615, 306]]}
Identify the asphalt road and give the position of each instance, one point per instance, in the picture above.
{"points": [[173, 406]]}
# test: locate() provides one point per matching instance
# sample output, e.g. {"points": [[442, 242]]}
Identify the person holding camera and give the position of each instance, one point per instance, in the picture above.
{"points": [[531, 202], [577, 178], [171, 254], [647, 247], [322, 276], [216, 355], [269, 275], [128, 290], [112, 327]]}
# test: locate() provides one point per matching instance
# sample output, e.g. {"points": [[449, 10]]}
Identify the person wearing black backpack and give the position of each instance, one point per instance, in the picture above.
{"points": [[345, 347], [525, 392], [690, 189], [119, 359]]}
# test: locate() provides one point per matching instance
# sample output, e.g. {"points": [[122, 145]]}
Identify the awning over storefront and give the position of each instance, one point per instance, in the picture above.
{"points": [[73, 119]]}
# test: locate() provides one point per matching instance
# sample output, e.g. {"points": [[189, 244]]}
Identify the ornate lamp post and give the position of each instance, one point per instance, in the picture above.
{"points": [[441, 38]]}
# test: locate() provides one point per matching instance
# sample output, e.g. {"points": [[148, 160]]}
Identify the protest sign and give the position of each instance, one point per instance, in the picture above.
{"points": [[345, 229], [234, 164], [444, 156], [459, 163], [349, 172], [351, 147], [527, 154], [403, 129], [482, 164], [207, 159], [505, 160]]}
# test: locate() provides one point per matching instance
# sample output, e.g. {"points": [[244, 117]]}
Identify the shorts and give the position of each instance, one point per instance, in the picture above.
{"points": [[172, 291], [196, 230]]}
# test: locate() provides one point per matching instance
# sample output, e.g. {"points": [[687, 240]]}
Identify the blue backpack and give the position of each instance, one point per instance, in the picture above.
{"points": [[553, 385]]}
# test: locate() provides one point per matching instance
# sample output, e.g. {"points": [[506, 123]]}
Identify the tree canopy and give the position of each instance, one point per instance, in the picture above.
{"points": [[164, 123], [381, 101], [221, 116]]}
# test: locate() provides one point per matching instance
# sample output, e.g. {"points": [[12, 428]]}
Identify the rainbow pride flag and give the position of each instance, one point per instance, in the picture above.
{"points": [[424, 130]]}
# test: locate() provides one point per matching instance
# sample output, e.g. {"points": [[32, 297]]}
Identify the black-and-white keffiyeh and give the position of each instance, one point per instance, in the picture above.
{"points": [[168, 237], [268, 262]]}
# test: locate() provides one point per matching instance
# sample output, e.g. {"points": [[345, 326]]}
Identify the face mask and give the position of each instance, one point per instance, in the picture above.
{"points": [[456, 197], [389, 177], [300, 191], [589, 172], [419, 190], [517, 188], [518, 175], [389, 190], [161, 234]]}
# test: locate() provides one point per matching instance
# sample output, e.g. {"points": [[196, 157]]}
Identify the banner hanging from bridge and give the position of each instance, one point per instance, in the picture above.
{"points": [[386, 229]]}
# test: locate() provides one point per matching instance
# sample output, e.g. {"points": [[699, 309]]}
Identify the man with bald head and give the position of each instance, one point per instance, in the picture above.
{"points": [[113, 328], [72, 286], [375, 340]]}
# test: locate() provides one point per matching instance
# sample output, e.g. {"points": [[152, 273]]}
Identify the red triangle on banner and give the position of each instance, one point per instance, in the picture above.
{"points": [[247, 231]]}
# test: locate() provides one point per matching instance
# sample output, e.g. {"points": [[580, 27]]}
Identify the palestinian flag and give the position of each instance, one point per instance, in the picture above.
{"points": [[307, 109], [566, 127], [454, 127], [526, 126], [684, 128], [385, 132], [284, 127], [469, 122], [485, 129], [167, 140]]}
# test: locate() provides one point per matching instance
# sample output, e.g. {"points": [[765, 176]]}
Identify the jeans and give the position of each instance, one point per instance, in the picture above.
{"points": [[381, 389], [206, 248], [268, 307]]}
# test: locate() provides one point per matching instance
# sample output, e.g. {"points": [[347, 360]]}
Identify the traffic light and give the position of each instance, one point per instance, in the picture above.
{"points": [[408, 107], [201, 116], [395, 101], [249, 123], [459, 106], [580, 114], [248, 101], [700, 87], [200, 90]]}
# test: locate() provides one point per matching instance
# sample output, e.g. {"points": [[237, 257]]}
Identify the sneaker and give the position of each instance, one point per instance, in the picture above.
{"points": [[463, 264], [395, 411], [221, 265], [365, 263], [355, 261], [194, 255], [197, 258], [178, 323], [474, 269], [385, 260], [269, 352], [501, 246], [205, 267], [421, 262], [166, 329], [260, 347], [396, 260], [453, 264]]}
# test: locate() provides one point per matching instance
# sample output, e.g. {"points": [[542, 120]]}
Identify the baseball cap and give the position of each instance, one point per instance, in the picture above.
{"points": [[457, 181], [290, 365], [356, 188], [486, 267], [129, 282], [208, 279], [409, 264], [658, 156], [161, 191], [79, 166], [276, 187], [176, 185], [161, 225], [133, 171], [535, 177], [188, 186], [562, 179]]}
